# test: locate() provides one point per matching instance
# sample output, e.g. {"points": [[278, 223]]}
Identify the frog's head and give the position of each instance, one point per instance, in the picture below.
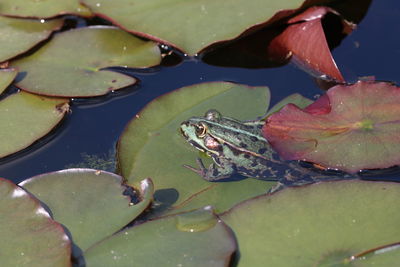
{"points": [[196, 132]]}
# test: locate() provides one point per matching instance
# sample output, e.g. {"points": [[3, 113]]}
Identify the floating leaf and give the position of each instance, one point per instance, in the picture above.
{"points": [[24, 118], [72, 64], [6, 78], [196, 24], [304, 40], [350, 128], [296, 99], [317, 225], [29, 237], [42, 9], [192, 239], [151, 145], [19, 35], [88, 202]]}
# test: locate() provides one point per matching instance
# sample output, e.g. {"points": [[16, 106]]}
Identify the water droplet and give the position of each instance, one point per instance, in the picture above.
{"points": [[196, 221]]}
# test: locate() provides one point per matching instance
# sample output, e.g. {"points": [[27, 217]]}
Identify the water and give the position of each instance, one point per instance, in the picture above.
{"points": [[94, 125]]}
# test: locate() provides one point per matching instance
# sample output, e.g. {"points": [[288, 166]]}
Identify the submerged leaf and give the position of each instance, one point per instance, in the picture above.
{"points": [[195, 24], [24, 118], [192, 239], [29, 237], [350, 128], [72, 64], [19, 35], [318, 225], [90, 203]]}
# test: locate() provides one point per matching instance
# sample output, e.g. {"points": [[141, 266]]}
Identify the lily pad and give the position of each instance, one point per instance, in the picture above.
{"points": [[42, 9], [6, 78], [19, 35], [25, 118], [29, 237], [192, 239], [88, 202], [318, 225], [151, 145], [190, 25], [350, 128], [304, 41], [72, 64], [296, 99]]}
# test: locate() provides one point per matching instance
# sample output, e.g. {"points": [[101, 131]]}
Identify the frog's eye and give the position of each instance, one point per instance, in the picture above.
{"points": [[201, 130], [213, 115]]}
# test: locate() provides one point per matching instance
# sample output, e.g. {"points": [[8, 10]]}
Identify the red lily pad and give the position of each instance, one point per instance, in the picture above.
{"points": [[305, 43], [350, 128]]}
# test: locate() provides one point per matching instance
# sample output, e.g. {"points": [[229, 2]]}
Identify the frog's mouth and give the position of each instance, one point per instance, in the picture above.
{"points": [[197, 146], [189, 140]]}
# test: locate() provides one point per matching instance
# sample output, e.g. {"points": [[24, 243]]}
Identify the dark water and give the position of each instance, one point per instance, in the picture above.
{"points": [[95, 125]]}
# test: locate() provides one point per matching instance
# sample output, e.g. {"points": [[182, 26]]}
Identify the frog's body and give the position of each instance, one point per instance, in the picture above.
{"points": [[234, 146]]}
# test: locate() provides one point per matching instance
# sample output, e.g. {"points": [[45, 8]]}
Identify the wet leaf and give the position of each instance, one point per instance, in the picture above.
{"points": [[42, 9], [192, 239], [318, 225], [195, 24], [6, 78], [151, 145], [88, 202], [304, 41], [72, 64], [19, 35], [29, 237], [25, 118], [350, 128]]}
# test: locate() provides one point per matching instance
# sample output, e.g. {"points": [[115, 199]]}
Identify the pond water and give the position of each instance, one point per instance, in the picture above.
{"points": [[94, 125]]}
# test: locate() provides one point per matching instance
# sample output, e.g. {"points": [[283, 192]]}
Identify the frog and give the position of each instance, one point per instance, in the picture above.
{"points": [[236, 147]]}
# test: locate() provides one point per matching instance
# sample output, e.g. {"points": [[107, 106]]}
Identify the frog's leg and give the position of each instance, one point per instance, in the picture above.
{"points": [[214, 172]]}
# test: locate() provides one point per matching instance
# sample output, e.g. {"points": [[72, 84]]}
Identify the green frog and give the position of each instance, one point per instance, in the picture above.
{"points": [[235, 147]]}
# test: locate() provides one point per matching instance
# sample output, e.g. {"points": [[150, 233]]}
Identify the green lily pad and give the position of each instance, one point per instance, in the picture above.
{"points": [[191, 25], [296, 99], [318, 225], [19, 35], [388, 255], [192, 239], [6, 78], [151, 145], [72, 64], [42, 9], [88, 202], [350, 128], [25, 118], [29, 237]]}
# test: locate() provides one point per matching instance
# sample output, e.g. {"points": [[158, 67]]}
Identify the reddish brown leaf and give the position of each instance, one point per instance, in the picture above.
{"points": [[350, 128], [304, 42]]}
